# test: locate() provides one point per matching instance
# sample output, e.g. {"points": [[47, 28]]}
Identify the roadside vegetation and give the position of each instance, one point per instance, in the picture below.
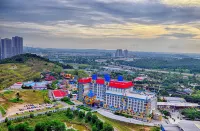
{"points": [[191, 113], [123, 126], [67, 100], [58, 121], [83, 107]]}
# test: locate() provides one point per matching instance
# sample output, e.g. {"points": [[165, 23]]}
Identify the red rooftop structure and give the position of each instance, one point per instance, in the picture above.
{"points": [[59, 94], [85, 80], [112, 83]]}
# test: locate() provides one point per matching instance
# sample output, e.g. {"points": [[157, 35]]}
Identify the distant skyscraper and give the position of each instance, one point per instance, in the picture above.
{"points": [[125, 53], [6, 48], [17, 45], [119, 53], [9, 48]]}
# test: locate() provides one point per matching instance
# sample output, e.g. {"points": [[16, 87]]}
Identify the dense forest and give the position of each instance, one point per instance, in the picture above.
{"points": [[190, 65]]}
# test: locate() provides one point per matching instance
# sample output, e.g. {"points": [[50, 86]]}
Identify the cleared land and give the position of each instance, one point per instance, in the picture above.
{"points": [[27, 96]]}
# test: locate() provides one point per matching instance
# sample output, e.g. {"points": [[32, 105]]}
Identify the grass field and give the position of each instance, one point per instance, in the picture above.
{"points": [[27, 96], [123, 126], [16, 72]]}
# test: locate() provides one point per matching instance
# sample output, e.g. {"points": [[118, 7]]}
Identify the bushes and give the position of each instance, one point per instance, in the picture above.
{"points": [[47, 100], [191, 113], [15, 100], [81, 114], [84, 108], [54, 125], [3, 112], [122, 114], [96, 124], [67, 100], [20, 127], [31, 115], [166, 113]]}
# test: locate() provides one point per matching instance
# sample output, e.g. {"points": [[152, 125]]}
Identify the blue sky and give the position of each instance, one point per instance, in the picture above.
{"points": [[140, 25]]}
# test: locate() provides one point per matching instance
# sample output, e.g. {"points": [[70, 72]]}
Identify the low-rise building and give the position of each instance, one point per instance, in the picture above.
{"points": [[59, 94], [183, 125]]}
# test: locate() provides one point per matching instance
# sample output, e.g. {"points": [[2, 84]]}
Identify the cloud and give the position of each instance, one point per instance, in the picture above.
{"points": [[125, 30], [98, 19]]}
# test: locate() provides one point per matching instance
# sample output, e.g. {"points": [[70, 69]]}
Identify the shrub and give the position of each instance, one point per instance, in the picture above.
{"points": [[8, 123], [31, 115]]}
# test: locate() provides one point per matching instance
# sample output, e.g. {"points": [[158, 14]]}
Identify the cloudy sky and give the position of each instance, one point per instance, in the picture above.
{"points": [[138, 25]]}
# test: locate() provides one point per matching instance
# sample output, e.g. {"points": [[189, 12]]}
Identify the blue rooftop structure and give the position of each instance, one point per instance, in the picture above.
{"points": [[90, 94], [120, 78], [94, 77], [107, 77]]}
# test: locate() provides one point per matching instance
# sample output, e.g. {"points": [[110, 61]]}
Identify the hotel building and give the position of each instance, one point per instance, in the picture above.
{"points": [[118, 95]]}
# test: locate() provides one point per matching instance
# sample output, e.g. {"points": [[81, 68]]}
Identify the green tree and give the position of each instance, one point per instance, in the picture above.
{"points": [[94, 128], [55, 125], [88, 117], [81, 114], [99, 124], [31, 115], [94, 119], [107, 127], [41, 126], [11, 128], [23, 127]]}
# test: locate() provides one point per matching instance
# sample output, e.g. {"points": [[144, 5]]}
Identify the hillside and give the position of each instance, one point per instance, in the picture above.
{"points": [[25, 67]]}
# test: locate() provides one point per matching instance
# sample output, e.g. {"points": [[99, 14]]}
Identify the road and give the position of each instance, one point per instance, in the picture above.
{"points": [[123, 119], [50, 95]]}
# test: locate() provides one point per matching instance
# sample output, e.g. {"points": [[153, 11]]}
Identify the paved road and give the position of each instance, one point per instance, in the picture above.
{"points": [[124, 119], [50, 95]]}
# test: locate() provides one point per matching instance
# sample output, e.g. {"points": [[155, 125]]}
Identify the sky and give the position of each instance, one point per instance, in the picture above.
{"points": [[137, 25]]}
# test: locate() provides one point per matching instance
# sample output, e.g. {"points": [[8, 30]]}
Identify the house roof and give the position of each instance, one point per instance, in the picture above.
{"points": [[59, 93]]}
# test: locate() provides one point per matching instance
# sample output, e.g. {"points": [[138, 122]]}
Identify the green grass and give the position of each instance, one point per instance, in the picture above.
{"points": [[123, 126], [14, 100]]}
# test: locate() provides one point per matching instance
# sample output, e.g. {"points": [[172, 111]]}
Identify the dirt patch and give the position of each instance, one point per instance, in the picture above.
{"points": [[1, 99]]}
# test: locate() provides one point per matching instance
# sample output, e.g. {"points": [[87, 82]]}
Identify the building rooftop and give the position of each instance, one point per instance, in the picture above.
{"points": [[120, 84], [135, 95], [174, 99], [85, 80], [186, 125], [59, 93], [183, 125], [112, 83], [177, 104], [170, 127]]}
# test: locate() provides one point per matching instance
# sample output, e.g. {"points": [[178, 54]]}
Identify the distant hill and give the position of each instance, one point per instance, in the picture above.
{"points": [[25, 67]]}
